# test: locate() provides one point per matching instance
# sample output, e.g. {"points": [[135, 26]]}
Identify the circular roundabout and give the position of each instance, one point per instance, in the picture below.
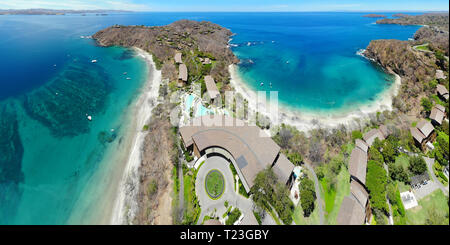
{"points": [[214, 184]]}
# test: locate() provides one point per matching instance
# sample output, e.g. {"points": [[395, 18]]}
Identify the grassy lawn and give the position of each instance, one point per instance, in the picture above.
{"points": [[328, 195], [342, 190], [418, 215], [313, 219], [423, 47], [402, 187], [333, 198], [215, 183], [402, 160]]}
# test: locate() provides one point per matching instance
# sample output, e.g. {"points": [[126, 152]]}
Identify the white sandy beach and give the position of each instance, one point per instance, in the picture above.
{"points": [[114, 201], [125, 204], [305, 121]]}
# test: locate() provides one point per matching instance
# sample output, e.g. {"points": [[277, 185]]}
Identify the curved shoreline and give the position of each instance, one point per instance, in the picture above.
{"points": [[306, 120], [125, 204]]}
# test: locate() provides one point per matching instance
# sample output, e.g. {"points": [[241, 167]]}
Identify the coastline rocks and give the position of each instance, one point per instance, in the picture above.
{"points": [[374, 16], [397, 56]]}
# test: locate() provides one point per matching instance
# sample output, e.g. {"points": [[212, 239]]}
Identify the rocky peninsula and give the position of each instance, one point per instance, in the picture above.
{"points": [[374, 16], [416, 68], [193, 39]]}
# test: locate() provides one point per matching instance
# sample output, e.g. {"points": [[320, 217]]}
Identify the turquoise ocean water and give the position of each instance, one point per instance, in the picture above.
{"points": [[52, 159]]}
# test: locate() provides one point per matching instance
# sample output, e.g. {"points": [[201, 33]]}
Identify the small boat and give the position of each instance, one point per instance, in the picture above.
{"points": [[125, 73], [287, 62], [54, 65], [89, 118], [94, 61], [262, 84], [270, 84], [128, 78]]}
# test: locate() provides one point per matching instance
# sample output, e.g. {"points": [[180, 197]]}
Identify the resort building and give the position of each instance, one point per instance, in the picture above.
{"points": [[351, 212], [178, 59], [442, 91], [246, 147], [440, 74], [437, 114], [423, 133], [361, 145], [182, 75], [381, 133], [357, 165], [355, 209], [211, 88]]}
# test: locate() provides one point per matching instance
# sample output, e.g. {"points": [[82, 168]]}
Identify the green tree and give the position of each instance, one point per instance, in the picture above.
{"points": [[376, 181], [267, 192], [417, 165], [356, 134], [295, 158], [307, 196], [375, 155], [426, 104]]}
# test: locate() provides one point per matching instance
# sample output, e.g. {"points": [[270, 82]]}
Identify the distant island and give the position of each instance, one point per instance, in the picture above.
{"points": [[56, 11], [374, 16]]}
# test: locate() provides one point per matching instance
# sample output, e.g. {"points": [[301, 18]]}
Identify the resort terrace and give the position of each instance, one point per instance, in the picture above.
{"points": [[247, 147], [211, 87]]}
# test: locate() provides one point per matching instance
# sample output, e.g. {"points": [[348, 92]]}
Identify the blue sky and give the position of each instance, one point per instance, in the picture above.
{"points": [[233, 5]]}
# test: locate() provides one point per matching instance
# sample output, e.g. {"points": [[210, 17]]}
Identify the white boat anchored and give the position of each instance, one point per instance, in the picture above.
{"points": [[94, 61]]}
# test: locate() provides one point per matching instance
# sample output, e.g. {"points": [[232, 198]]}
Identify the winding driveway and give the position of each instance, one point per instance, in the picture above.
{"points": [[318, 195], [209, 205], [430, 162]]}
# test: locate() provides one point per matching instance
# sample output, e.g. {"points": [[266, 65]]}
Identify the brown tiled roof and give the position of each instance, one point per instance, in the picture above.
{"points": [[211, 87], [283, 168], [361, 145], [359, 192], [247, 144], [440, 107], [437, 115], [357, 164], [425, 127], [183, 74], [417, 135], [370, 136], [441, 90], [351, 212], [384, 130], [178, 58]]}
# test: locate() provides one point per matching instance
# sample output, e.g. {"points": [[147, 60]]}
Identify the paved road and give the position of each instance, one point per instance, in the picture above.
{"points": [[430, 162], [209, 205], [318, 195]]}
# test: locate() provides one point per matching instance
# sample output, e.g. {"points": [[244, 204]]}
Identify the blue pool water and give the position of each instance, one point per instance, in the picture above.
{"points": [[52, 166]]}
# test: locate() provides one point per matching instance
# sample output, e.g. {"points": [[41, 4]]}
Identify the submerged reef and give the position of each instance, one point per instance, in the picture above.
{"points": [[11, 153], [64, 104]]}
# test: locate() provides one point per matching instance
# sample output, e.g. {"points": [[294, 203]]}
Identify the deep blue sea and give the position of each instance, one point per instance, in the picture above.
{"points": [[51, 156]]}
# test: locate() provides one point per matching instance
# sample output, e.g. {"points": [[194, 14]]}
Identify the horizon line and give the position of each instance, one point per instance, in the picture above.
{"points": [[218, 11]]}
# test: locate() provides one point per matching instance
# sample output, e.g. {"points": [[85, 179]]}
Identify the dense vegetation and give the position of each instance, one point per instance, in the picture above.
{"points": [[376, 181], [307, 196], [268, 192]]}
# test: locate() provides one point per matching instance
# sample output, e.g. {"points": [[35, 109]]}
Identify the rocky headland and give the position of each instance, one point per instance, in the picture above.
{"points": [[374, 16], [417, 68]]}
